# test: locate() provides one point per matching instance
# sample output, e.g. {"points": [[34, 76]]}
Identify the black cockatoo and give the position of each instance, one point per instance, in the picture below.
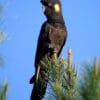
{"points": [[51, 40]]}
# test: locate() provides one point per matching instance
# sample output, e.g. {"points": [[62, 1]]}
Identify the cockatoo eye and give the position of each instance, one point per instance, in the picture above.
{"points": [[57, 8], [43, 8]]}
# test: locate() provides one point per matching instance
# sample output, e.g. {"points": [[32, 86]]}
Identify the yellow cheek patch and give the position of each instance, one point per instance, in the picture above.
{"points": [[57, 8]]}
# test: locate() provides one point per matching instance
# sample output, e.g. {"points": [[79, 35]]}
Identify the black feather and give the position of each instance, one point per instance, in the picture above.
{"points": [[52, 38]]}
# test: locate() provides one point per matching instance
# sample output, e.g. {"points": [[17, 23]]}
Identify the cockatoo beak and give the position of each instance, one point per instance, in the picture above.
{"points": [[43, 8]]}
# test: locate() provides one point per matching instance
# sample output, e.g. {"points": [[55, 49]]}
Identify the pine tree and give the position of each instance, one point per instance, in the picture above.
{"points": [[65, 84], [4, 87], [90, 84], [3, 91], [62, 78]]}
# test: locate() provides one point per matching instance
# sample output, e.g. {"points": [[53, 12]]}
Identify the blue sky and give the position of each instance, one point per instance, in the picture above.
{"points": [[22, 23]]}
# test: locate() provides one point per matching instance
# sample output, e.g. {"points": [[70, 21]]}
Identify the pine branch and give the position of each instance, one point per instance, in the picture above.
{"points": [[63, 79], [3, 91], [90, 86]]}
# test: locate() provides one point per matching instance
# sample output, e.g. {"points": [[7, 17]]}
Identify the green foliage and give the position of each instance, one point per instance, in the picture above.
{"points": [[55, 80], [65, 84], [90, 84], [70, 83], [62, 80], [3, 91], [4, 87]]}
